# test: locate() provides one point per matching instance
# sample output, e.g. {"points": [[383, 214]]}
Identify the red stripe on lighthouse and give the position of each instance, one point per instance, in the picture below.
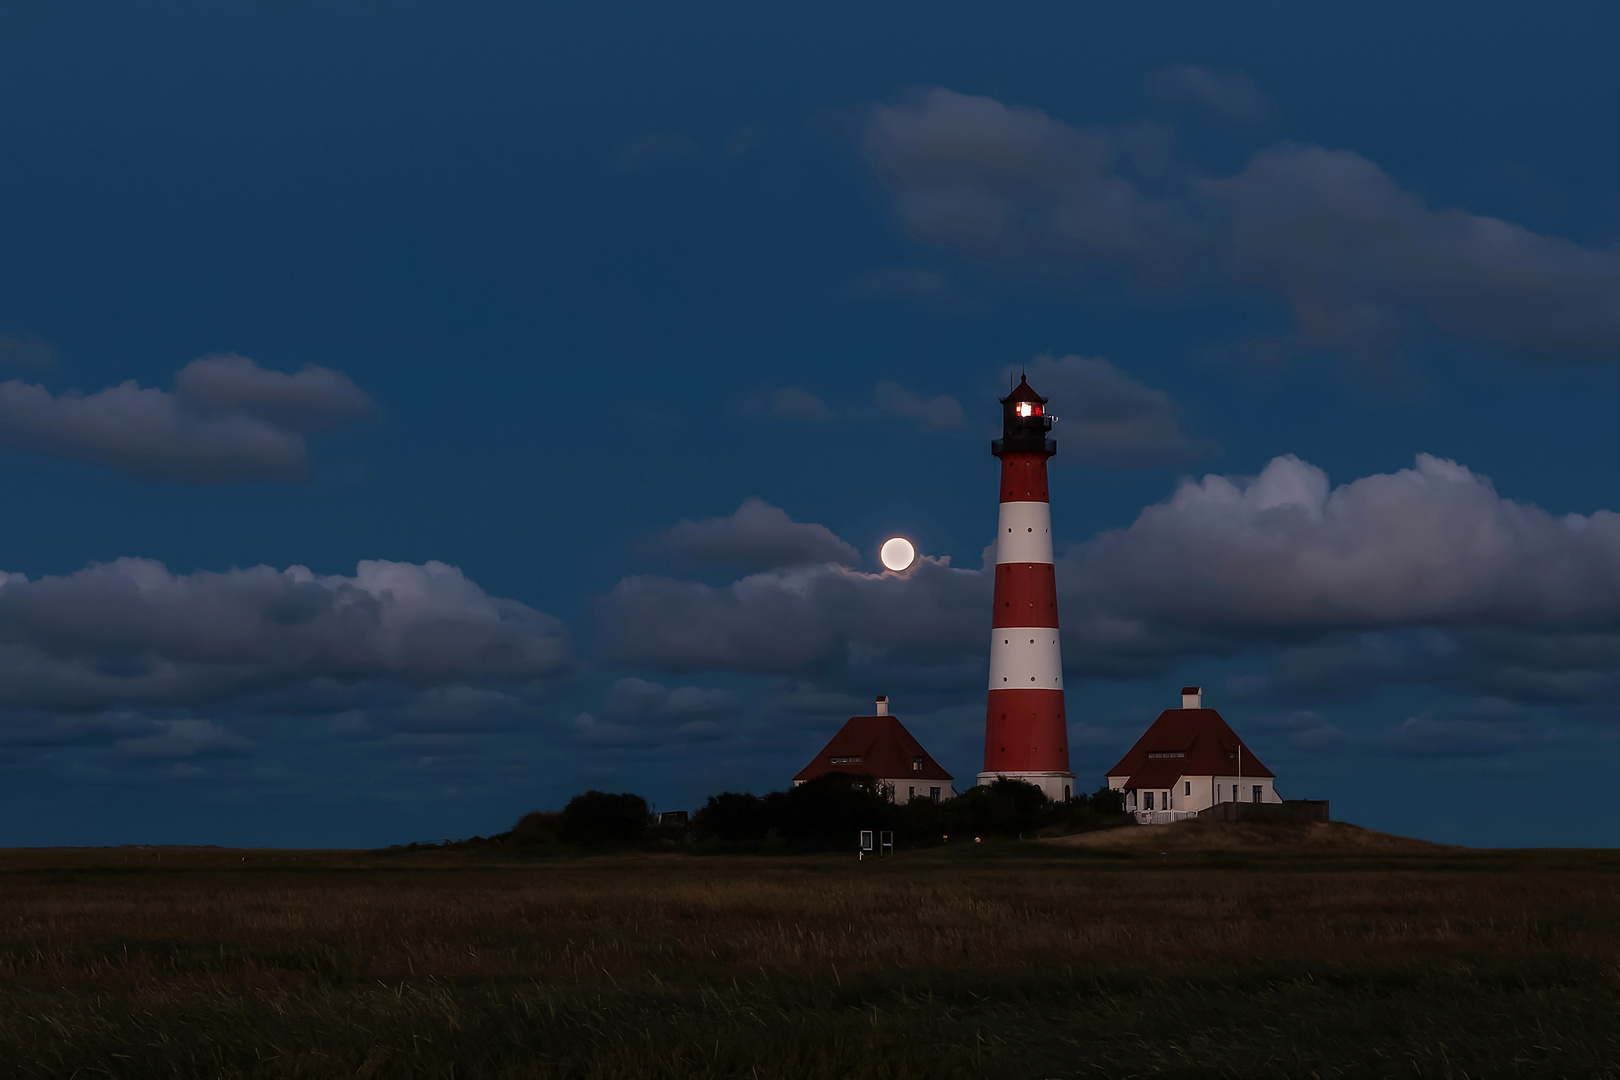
{"points": [[1026, 595], [1023, 478], [1025, 732]]}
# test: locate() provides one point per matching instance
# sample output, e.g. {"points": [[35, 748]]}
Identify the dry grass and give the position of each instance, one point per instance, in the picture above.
{"points": [[1019, 961], [1199, 835]]}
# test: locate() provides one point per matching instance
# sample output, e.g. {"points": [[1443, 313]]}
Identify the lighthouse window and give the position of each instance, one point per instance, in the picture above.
{"points": [[1027, 409]]}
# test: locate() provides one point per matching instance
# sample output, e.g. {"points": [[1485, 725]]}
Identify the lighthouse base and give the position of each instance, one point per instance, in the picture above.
{"points": [[1058, 786]]}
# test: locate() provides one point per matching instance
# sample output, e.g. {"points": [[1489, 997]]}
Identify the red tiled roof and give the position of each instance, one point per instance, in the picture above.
{"points": [[1207, 747], [877, 746]]}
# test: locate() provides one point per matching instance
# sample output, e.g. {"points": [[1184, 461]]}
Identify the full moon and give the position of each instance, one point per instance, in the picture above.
{"points": [[897, 553]]}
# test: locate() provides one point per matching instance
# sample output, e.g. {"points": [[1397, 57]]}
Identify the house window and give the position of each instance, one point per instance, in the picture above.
{"points": [[1188, 789], [916, 764], [933, 793], [1257, 793], [911, 793], [1147, 800]]}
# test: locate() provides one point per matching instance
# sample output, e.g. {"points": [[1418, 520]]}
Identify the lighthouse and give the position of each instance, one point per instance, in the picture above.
{"points": [[1025, 736]]}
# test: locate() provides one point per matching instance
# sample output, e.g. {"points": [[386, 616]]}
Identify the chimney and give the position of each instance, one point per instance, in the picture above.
{"points": [[1192, 697], [883, 705]]}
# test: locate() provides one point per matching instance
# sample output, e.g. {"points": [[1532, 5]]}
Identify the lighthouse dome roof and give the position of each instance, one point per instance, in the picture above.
{"points": [[1023, 392]]}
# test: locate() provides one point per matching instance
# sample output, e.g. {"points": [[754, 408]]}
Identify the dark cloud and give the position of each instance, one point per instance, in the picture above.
{"points": [[1231, 95], [227, 421], [1108, 418], [1358, 259], [132, 632], [26, 352], [590, 730], [1362, 263], [1016, 186], [638, 698], [312, 400], [938, 413], [758, 536], [183, 739]]}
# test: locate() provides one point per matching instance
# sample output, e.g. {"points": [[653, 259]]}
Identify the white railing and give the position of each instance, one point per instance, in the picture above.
{"points": [[1163, 817]]}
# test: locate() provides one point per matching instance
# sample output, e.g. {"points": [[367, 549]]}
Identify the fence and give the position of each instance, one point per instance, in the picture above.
{"points": [[1287, 812]]}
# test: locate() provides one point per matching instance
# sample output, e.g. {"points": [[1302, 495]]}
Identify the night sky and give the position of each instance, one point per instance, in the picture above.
{"points": [[412, 415]]}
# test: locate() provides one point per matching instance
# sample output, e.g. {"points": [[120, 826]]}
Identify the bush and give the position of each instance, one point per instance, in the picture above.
{"points": [[535, 827], [598, 819], [824, 814]]}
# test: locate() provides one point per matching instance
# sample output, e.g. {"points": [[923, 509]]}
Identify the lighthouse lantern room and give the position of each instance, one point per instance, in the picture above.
{"points": [[1025, 733]]}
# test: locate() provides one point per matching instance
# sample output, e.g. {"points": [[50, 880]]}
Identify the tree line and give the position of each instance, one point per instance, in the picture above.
{"points": [[824, 814]]}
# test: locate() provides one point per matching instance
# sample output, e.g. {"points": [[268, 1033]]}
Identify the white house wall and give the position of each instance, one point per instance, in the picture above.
{"points": [[1203, 788]]}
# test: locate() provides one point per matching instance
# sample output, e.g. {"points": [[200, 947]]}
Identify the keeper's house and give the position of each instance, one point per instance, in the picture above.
{"points": [[881, 747], [1188, 761]]}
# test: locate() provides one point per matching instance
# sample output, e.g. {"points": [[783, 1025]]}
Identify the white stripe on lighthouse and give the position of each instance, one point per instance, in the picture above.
{"points": [[1025, 658], [1025, 533]]}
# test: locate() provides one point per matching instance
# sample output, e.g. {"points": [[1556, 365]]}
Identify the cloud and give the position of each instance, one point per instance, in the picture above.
{"points": [[1284, 550], [130, 631], [26, 352], [1230, 95], [1358, 259], [803, 619], [312, 400], [1016, 186], [183, 739], [1108, 418], [592, 731], [1363, 264], [227, 421], [1424, 575], [789, 403], [1426, 735], [937, 413], [758, 536], [638, 698]]}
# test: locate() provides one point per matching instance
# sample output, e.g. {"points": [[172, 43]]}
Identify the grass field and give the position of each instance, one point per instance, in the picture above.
{"points": [[1019, 960]]}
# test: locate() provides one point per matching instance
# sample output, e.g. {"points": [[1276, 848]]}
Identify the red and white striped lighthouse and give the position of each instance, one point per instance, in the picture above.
{"points": [[1025, 736]]}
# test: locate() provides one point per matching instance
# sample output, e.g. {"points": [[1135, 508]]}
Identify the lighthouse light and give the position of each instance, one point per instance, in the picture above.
{"points": [[1026, 408]]}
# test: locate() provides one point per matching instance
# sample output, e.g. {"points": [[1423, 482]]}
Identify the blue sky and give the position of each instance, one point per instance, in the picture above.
{"points": [[361, 364]]}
